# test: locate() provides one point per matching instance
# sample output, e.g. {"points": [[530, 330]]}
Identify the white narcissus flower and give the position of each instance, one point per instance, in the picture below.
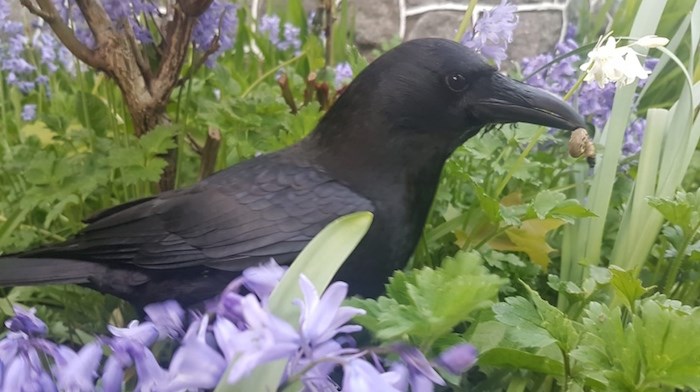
{"points": [[609, 63]]}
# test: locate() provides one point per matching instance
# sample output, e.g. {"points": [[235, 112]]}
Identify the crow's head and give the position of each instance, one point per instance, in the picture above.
{"points": [[438, 87]]}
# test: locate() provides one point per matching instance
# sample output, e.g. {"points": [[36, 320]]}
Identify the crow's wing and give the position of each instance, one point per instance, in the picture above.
{"points": [[267, 207]]}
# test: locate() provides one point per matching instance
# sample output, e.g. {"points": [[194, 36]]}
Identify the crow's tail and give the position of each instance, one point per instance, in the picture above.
{"points": [[18, 271]]}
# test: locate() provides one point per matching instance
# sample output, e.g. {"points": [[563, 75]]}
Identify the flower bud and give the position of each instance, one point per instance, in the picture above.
{"points": [[651, 41]]}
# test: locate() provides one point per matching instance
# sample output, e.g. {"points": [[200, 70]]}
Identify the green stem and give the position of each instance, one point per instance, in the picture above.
{"points": [[488, 238], [678, 262], [466, 21], [567, 370], [533, 141], [5, 125], [448, 227], [272, 72]]}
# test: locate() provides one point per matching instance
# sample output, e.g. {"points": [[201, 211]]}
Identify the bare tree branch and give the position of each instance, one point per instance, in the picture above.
{"points": [[143, 65], [177, 34], [98, 20], [47, 11], [214, 45]]}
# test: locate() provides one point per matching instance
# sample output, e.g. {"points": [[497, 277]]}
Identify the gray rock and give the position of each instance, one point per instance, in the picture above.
{"points": [[537, 32], [442, 24], [422, 3], [376, 21]]}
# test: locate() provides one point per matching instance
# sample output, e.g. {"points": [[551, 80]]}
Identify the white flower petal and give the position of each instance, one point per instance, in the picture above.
{"points": [[652, 41]]}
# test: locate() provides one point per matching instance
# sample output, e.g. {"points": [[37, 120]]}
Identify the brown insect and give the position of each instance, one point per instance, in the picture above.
{"points": [[580, 144]]}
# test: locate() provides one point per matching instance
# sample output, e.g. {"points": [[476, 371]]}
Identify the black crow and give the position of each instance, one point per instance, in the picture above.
{"points": [[380, 148]]}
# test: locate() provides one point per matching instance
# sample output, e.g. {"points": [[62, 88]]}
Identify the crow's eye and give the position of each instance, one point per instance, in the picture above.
{"points": [[456, 82]]}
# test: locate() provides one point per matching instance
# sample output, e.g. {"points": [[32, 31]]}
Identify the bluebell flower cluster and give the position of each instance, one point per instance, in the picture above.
{"points": [[16, 42], [592, 101], [492, 32], [289, 39], [220, 21], [237, 331], [29, 112]]}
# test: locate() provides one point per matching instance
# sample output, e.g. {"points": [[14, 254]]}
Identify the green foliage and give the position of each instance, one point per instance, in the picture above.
{"points": [[647, 344], [653, 352], [425, 305]]}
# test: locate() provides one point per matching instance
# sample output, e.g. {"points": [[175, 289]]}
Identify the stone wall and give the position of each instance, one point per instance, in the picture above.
{"points": [[542, 23]]}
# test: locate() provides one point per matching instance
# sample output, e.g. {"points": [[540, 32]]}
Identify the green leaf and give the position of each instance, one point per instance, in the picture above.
{"points": [[657, 350], [536, 323], [546, 201], [522, 316], [570, 209], [519, 359], [158, 140], [424, 305], [488, 204], [683, 209], [628, 288]]}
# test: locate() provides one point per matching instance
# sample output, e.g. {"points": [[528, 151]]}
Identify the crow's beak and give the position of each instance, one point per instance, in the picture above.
{"points": [[503, 100]]}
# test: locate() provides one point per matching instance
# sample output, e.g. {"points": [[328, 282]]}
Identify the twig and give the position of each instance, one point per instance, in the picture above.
{"points": [[283, 82], [310, 88], [178, 30], [47, 11], [214, 45], [193, 144], [322, 95], [209, 153], [328, 6]]}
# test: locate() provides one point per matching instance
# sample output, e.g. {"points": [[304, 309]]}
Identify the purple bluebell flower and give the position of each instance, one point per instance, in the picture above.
{"points": [[144, 333], [263, 278], [25, 321], [77, 371], [270, 28], [418, 366], [291, 38], [360, 376], [195, 364], [343, 74], [493, 32], [266, 338], [25, 373], [151, 376], [322, 318], [458, 358], [168, 317], [113, 375], [634, 135], [28, 112]]}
